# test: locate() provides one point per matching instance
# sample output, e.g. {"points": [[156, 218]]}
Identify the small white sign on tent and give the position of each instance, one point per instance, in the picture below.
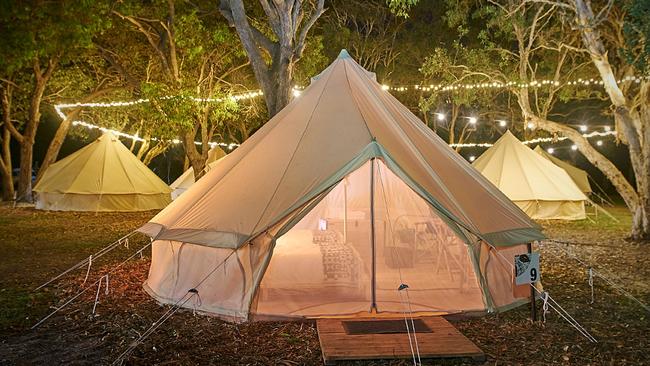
{"points": [[527, 268]]}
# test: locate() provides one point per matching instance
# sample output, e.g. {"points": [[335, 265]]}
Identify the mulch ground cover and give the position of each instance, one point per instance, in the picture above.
{"points": [[38, 245]]}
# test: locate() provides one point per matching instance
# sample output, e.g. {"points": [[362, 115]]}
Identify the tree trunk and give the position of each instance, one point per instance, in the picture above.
{"points": [[284, 19], [25, 174], [629, 122], [29, 134], [154, 151], [6, 168], [55, 145], [197, 159]]}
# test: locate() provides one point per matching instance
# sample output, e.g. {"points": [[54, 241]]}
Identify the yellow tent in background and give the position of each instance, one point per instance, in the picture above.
{"points": [[185, 181], [103, 176], [539, 187], [578, 175]]}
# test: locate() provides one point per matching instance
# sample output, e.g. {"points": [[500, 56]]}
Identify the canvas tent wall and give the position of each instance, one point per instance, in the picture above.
{"points": [[539, 187], [333, 204], [185, 180], [102, 176], [579, 176]]}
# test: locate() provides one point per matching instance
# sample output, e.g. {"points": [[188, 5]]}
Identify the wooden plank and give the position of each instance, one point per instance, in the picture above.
{"points": [[445, 341]]}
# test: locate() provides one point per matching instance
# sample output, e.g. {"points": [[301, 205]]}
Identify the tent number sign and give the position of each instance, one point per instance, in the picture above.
{"points": [[527, 268]]}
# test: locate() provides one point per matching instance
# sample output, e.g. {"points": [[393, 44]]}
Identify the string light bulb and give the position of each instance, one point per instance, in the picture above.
{"points": [[473, 120], [530, 125], [583, 128], [574, 147], [503, 123], [550, 150], [472, 158], [608, 128], [441, 116], [599, 142]]}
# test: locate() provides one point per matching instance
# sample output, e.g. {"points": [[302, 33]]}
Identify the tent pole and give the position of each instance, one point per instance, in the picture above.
{"points": [[533, 307], [372, 231]]}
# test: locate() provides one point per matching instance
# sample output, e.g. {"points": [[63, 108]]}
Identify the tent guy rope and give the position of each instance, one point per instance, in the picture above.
{"points": [[71, 299], [598, 273], [88, 260], [171, 311]]}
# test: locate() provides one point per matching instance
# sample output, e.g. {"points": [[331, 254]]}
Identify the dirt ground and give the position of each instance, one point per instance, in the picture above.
{"points": [[36, 245]]}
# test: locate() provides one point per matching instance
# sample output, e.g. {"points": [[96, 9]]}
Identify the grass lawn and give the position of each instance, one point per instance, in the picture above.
{"points": [[37, 245]]}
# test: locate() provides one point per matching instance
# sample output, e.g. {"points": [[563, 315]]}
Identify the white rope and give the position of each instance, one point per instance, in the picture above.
{"points": [[591, 283], [70, 300], [552, 304], [414, 352], [90, 263], [408, 332], [599, 274], [415, 337], [99, 286], [154, 326], [544, 297], [97, 255], [171, 311], [566, 316]]}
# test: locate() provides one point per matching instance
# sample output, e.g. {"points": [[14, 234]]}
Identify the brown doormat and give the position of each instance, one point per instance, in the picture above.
{"points": [[384, 326]]}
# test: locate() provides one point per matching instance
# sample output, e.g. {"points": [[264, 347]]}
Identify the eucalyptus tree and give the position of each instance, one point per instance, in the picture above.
{"points": [[38, 37], [186, 58], [274, 42], [522, 42]]}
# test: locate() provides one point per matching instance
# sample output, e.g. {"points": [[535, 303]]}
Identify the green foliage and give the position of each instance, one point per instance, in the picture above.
{"points": [[401, 7], [637, 33], [33, 30]]}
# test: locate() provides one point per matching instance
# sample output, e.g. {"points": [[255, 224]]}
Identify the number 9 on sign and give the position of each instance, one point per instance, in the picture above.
{"points": [[526, 268]]}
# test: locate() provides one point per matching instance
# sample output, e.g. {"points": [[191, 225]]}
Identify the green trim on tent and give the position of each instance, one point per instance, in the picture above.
{"points": [[375, 150], [474, 251], [513, 237]]}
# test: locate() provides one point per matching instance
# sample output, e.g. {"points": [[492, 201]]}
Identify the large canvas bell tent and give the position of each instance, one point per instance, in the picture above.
{"points": [[579, 176], [330, 208], [539, 187], [187, 179], [102, 176]]}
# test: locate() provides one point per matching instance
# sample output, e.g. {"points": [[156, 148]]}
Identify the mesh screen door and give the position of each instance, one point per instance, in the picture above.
{"points": [[327, 263]]}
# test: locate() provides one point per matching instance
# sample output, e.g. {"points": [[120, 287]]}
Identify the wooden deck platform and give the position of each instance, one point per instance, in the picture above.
{"points": [[442, 341]]}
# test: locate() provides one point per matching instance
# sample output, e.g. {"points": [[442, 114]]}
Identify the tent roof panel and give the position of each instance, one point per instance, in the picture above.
{"points": [[312, 140]]}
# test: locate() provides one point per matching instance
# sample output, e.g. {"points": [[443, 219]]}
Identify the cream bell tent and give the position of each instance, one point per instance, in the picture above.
{"points": [[542, 189], [579, 176], [336, 203], [185, 180], [103, 176]]}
